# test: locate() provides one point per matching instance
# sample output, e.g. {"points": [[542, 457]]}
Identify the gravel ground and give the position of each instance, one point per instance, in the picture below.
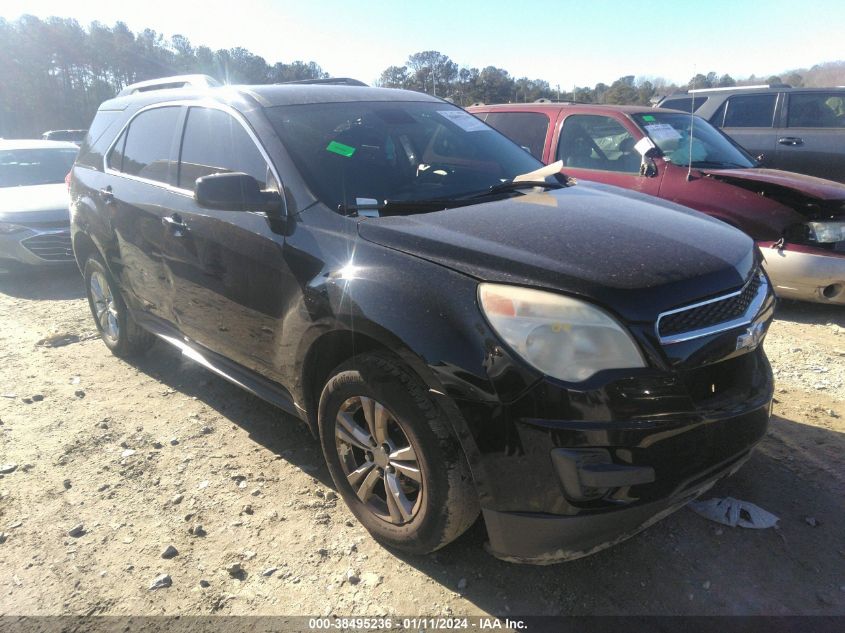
{"points": [[158, 472]]}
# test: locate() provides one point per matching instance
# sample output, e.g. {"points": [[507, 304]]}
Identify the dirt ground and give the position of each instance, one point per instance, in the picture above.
{"points": [[140, 454]]}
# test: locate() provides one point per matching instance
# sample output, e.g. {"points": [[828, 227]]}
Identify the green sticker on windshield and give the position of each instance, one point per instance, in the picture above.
{"points": [[648, 117], [340, 148]]}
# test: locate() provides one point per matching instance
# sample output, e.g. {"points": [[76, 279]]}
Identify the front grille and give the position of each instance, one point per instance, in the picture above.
{"points": [[711, 313], [52, 247], [731, 381]]}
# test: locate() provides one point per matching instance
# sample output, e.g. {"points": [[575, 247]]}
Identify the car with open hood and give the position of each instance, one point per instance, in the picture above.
{"points": [[797, 220], [34, 215], [463, 330]]}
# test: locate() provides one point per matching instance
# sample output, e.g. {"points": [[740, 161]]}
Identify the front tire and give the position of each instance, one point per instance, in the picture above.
{"points": [[393, 458], [117, 328]]}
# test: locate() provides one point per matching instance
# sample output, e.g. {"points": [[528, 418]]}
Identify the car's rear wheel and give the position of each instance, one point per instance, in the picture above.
{"points": [[115, 324], [392, 456]]}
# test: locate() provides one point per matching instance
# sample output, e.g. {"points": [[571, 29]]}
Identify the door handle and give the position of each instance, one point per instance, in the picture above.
{"points": [[791, 140], [174, 222], [106, 194]]}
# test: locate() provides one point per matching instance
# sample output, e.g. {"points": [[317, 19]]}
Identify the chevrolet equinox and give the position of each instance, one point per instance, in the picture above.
{"points": [[464, 329]]}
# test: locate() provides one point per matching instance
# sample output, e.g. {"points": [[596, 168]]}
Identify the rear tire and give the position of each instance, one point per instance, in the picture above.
{"points": [[393, 457], [117, 328]]}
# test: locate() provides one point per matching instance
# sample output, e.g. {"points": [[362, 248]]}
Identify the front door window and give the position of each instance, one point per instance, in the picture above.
{"points": [[590, 141]]}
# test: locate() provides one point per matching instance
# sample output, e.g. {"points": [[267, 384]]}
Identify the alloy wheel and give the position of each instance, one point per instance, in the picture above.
{"points": [[378, 459], [105, 309]]}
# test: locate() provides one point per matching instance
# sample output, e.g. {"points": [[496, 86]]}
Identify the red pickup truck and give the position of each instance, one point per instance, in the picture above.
{"points": [[798, 221]]}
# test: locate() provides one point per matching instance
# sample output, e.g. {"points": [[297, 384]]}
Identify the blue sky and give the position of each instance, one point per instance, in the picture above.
{"points": [[565, 42]]}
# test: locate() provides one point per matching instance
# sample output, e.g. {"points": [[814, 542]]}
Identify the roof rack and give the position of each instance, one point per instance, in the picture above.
{"points": [[331, 81], [758, 86], [543, 100], [164, 83]]}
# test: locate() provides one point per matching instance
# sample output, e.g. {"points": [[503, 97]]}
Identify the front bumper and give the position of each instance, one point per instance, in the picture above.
{"points": [[568, 472], [544, 539], [806, 273]]}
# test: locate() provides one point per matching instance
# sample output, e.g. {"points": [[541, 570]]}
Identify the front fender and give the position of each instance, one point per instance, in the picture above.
{"points": [[425, 314]]}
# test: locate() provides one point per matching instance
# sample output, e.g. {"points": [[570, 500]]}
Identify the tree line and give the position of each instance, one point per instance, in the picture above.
{"points": [[433, 72], [54, 73]]}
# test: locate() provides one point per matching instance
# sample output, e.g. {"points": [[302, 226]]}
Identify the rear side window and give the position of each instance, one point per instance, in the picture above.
{"points": [[100, 124], [748, 111], [96, 140], [147, 145], [526, 129], [718, 117], [116, 155], [215, 142], [816, 110], [687, 104]]}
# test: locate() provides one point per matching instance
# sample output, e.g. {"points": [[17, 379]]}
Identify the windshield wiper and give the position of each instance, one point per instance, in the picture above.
{"points": [[716, 163], [513, 185], [388, 206], [536, 178], [510, 185], [373, 208]]}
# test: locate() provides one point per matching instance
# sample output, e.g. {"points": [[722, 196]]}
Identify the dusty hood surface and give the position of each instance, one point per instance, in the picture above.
{"points": [[34, 203], [634, 254], [807, 185]]}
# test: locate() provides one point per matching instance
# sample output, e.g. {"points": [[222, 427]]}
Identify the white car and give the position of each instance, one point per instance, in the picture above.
{"points": [[34, 216]]}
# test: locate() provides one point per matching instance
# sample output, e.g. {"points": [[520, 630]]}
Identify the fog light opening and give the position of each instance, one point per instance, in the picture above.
{"points": [[832, 291]]}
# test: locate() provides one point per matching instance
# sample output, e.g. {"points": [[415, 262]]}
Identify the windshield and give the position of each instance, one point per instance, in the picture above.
{"points": [[363, 153], [42, 166], [710, 148]]}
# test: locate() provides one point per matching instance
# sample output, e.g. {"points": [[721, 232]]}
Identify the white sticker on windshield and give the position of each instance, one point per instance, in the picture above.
{"points": [[463, 120], [662, 132]]}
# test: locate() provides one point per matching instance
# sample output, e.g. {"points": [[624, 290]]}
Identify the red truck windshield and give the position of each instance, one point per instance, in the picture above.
{"points": [[708, 147]]}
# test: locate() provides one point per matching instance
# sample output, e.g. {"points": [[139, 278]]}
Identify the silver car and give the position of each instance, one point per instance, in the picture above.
{"points": [[34, 216]]}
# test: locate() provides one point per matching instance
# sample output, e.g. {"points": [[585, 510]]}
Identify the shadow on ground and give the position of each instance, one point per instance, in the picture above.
{"points": [[60, 283], [810, 313], [280, 433]]}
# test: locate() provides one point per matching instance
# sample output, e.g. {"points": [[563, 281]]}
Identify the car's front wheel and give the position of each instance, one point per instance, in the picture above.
{"points": [[392, 456], [115, 324]]}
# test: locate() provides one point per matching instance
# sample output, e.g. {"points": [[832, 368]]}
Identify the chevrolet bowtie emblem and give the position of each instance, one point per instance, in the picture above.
{"points": [[751, 337]]}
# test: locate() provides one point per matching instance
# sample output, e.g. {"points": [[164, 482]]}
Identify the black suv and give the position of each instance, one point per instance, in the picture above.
{"points": [[793, 129], [461, 329]]}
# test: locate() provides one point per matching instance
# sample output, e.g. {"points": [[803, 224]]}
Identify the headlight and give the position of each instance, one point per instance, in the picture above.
{"points": [[562, 337], [7, 227], [827, 232]]}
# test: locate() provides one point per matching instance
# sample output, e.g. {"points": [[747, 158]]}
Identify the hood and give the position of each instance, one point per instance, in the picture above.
{"points": [[34, 203], [808, 185], [633, 254]]}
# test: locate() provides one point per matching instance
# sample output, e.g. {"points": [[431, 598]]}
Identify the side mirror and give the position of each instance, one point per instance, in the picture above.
{"points": [[649, 151], [235, 191], [648, 167]]}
